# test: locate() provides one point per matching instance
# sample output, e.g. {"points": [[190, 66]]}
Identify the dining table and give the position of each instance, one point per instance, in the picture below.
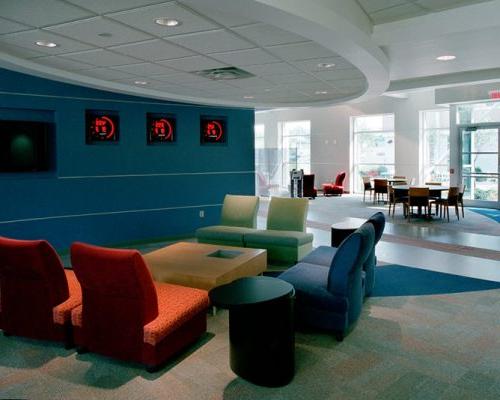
{"points": [[435, 192]]}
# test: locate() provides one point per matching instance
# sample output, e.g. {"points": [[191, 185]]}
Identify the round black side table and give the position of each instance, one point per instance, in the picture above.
{"points": [[342, 229], [261, 328]]}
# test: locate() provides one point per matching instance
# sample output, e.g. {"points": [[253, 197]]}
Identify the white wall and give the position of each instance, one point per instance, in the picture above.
{"points": [[330, 132]]}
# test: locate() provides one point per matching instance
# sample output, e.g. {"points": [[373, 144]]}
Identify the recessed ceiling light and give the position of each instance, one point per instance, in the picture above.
{"points": [[320, 92], [45, 43], [164, 21], [447, 57], [248, 97], [141, 82], [267, 90], [326, 65]]}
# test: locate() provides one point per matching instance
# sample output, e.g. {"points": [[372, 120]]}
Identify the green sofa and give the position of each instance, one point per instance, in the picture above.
{"points": [[284, 239], [239, 216]]}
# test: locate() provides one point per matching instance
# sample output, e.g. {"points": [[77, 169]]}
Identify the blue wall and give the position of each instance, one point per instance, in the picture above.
{"points": [[106, 194]]}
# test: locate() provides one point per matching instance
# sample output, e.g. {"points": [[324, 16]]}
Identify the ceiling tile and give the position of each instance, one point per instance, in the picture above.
{"points": [[88, 30], [250, 82], [152, 50], [222, 17], [272, 69], [143, 19], [181, 78], [312, 65], [211, 42], [41, 13], [403, 11], [145, 69], [21, 52], [27, 39], [195, 63], [245, 57], [291, 78], [301, 51], [63, 63], [7, 26], [371, 6], [106, 6], [106, 73], [268, 35], [101, 58], [339, 74]]}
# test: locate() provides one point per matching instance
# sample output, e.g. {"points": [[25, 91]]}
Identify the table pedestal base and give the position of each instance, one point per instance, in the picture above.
{"points": [[263, 342]]}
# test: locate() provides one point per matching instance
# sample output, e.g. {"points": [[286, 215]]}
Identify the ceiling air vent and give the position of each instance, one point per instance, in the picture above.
{"points": [[225, 74]]}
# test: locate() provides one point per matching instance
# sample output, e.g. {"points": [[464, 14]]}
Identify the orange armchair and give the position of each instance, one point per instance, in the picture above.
{"points": [[37, 293], [124, 314]]}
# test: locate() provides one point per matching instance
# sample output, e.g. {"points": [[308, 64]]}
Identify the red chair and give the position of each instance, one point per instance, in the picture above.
{"points": [[336, 188], [37, 293], [308, 189], [124, 314]]}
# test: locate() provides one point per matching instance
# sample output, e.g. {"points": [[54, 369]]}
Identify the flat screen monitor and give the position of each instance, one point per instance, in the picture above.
{"points": [[24, 146]]}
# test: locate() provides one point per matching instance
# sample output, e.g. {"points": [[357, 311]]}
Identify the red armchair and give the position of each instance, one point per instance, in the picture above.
{"points": [[37, 293], [124, 314], [336, 188]]}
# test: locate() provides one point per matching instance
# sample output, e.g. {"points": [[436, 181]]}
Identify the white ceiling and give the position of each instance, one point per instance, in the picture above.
{"points": [[383, 11], [114, 44], [134, 48]]}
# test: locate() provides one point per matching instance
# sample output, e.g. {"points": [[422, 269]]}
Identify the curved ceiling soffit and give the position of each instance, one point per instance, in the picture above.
{"points": [[312, 19]]}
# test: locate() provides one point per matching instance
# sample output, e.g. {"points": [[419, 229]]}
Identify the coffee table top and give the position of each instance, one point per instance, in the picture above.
{"points": [[203, 265], [252, 290], [349, 223]]}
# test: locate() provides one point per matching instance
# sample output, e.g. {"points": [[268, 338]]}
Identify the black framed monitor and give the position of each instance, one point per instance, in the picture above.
{"points": [[25, 146]]}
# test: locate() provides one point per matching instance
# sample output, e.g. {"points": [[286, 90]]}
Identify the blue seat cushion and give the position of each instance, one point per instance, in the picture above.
{"points": [[323, 255], [310, 283]]}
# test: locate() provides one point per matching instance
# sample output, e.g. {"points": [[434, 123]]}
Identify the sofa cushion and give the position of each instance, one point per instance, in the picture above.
{"points": [[323, 255], [278, 238], [286, 214], [240, 211], [223, 233], [310, 282]]}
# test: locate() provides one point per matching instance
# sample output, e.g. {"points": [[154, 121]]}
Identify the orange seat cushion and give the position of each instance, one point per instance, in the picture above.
{"points": [[62, 312], [176, 306]]}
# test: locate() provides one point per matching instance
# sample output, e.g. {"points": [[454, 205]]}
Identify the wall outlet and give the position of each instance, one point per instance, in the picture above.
{"points": [[202, 213]]}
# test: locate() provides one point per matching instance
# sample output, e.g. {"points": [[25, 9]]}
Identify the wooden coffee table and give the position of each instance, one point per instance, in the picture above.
{"points": [[204, 266]]}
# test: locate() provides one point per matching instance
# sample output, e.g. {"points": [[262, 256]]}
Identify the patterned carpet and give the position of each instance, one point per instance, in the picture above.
{"points": [[422, 347]]}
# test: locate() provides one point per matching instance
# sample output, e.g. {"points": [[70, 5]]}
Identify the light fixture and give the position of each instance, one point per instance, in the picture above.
{"points": [[248, 97], [326, 65], [320, 92], [105, 34], [164, 21], [447, 57], [45, 43], [141, 82], [267, 90]]}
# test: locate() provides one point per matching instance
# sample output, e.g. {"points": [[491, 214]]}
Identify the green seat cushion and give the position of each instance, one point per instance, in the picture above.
{"points": [[278, 238], [223, 233]]}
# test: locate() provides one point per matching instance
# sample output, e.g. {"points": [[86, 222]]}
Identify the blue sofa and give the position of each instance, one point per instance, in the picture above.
{"points": [[323, 255], [331, 298]]}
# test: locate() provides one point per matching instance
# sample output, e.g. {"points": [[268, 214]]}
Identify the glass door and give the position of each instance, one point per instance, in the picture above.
{"points": [[480, 164]]}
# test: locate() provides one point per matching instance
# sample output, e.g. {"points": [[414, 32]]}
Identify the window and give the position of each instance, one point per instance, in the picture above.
{"points": [[295, 147], [435, 146], [259, 136], [373, 147]]}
